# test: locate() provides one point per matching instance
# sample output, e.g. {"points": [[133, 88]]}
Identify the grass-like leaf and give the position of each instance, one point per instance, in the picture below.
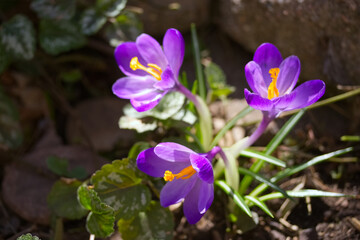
{"points": [[274, 143], [347, 138], [263, 180], [260, 204], [279, 137], [303, 193], [239, 201], [199, 71], [290, 171], [264, 157]]}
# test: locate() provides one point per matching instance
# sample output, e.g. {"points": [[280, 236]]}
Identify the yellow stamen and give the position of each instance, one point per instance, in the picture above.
{"points": [[272, 90], [183, 174], [153, 69], [168, 176]]}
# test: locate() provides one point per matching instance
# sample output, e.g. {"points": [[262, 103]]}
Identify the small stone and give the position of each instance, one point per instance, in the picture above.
{"points": [[218, 124], [238, 133]]}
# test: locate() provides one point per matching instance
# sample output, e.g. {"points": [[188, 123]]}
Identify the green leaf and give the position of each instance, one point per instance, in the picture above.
{"points": [[126, 27], [264, 157], [169, 105], [77, 172], [4, 58], [28, 236], [186, 116], [239, 201], [60, 36], [217, 81], [155, 223], [260, 204], [140, 125], [91, 21], [118, 186], [100, 220], [10, 130], [90, 200], [62, 200], [111, 8], [50, 9], [17, 37], [101, 225], [57, 165], [303, 193], [214, 75]]}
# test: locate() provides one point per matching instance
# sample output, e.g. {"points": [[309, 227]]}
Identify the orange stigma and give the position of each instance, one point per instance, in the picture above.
{"points": [[153, 69], [272, 90], [183, 174]]}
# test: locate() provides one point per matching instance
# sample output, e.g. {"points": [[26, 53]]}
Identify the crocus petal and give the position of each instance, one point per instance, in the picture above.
{"points": [[192, 202], [257, 102], [151, 50], [203, 167], [173, 152], [167, 80], [206, 197], [148, 162], [306, 94], [174, 48], [130, 87], [267, 56], [147, 101], [123, 55], [283, 102], [176, 190], [255, 79], [288, 75]]}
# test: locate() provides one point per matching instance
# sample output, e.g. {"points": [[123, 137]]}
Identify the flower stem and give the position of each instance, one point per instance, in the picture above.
{"points": [[254, 136], [231, 172], [204, 116], [189, 95], [259, 163], [215, 150]]}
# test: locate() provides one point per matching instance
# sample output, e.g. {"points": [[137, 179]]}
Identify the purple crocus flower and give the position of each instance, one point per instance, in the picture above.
{"points": [[189, 176], [151, 71], [272, 81]]}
